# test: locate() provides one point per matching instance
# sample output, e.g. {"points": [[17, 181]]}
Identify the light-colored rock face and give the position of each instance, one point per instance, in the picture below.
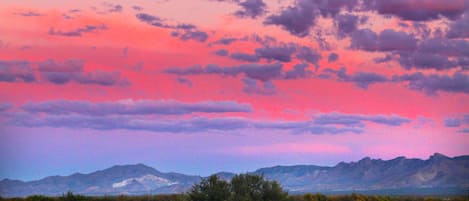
{"points": [[149, 181]]}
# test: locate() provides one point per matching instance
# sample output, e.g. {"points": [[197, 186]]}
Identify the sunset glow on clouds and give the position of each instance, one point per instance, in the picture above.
{"points": [[229, 85]]}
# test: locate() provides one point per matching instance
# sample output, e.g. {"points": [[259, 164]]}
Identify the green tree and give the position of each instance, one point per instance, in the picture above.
{"points": [[210, 189], [315, 197], [248, 187]]}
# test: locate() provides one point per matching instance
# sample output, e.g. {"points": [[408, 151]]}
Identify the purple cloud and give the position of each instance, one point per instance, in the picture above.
{"points": [[115, 9], [78, 119], [222, 52], [299, 71], [434, 53], [457, 122], [309, 55], [244, 57], [345, 24], [299, 18], [152, 20], [225, 40], [261, 72], [5, 107], [432, 84], [387, 40], [452, 122], [192, 125], [73, 70], [361, 79], [251, 87], [332, 57], [251, 8], [330, 8], [390, 40], [459, 28], [354, 120], [15, 71], [182, 31], [280, 53], [130, 107], [79, 31], [137, 8], [30, 14], [296, 19], [184, 81], [320, 130], [420, 10], [364, 39], [196, 35]]}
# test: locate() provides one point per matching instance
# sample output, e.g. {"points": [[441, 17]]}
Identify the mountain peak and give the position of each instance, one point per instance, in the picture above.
{"points": [[365, 159], [138, 166], [438, 156]]}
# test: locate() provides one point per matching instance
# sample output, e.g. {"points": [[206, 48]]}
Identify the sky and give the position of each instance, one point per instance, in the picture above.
{"points": [[201, 86]]}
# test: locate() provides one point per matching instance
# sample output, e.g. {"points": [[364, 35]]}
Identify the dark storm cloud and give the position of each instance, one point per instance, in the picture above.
{"points": [[251, 8], [261, 72], [73, 70], [142, 107], [252, 86], [361, 79], [79, 31], [16, 71], [432, 84]]}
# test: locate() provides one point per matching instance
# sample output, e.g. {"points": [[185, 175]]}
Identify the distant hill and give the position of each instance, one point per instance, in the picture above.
{"points": [[439, 174]]}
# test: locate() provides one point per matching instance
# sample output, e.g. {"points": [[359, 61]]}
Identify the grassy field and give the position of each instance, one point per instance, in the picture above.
{"points": [[184, 197]]}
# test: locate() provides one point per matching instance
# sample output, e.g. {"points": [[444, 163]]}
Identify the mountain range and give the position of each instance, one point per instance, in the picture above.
{"points": [[438, 174]]}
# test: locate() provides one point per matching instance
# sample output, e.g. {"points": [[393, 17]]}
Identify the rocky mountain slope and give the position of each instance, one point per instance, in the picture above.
{"points": [[437, 173]]}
